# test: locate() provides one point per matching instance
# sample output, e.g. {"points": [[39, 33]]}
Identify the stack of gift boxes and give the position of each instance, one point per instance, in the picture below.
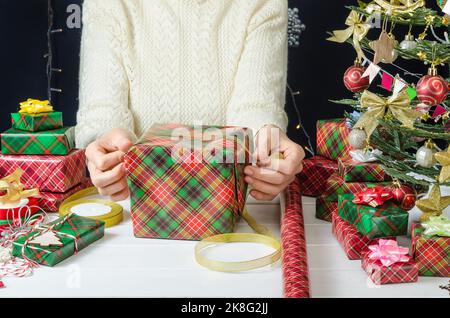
{"points": [[43, 149], [367, 232]]}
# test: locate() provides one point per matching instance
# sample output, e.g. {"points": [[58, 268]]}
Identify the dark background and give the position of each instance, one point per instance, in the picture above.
{"points": [[315, 68]]}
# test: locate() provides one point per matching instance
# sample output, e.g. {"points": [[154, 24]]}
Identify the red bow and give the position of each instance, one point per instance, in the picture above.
{"points": [[373, 196]]}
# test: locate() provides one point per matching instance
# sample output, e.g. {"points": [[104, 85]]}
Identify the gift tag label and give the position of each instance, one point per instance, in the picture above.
{"points": [[47, 239]]}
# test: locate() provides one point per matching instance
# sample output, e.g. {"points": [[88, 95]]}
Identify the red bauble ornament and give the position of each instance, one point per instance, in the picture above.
{"points": [[404, 196], [353, 79], [432, 89]]}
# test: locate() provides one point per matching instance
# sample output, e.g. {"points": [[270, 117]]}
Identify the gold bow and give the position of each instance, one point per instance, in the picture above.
{"points": [[357, 28], [401, 6], [14, 190], [34, 106], [377, 107]]}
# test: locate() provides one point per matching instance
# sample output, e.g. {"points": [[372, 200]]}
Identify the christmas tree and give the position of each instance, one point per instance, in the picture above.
{"points": [[402, 120]]}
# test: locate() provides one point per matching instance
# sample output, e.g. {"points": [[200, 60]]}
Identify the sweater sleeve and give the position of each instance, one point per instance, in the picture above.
{"points": [[259, 89], [104, 88]]}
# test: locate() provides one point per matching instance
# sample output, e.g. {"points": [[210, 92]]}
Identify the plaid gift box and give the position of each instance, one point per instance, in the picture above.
{"points": [[432, 254], [51, 201], [74, 232], [325, 208], [386, 220], [353, 243], [38, 122], [406, 272], [51, 142], [332, 139], [354, 171], [47, 173], [336, 186], [315, 174], [190, 185]]}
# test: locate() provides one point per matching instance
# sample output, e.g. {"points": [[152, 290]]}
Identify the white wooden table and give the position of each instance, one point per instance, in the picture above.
{"points": [[333, 275], [120, 265]]}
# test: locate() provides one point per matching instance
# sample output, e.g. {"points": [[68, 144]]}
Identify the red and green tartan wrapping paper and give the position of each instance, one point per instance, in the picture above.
{"points": [[354, 171], [386, 220], [51, 201], [432, 254], [406, 272], [86, 231], [353, 243], [38, 122], [193, 197], [332, 139], [325, 208], [47, 173], [315, 174], [51, 142]]}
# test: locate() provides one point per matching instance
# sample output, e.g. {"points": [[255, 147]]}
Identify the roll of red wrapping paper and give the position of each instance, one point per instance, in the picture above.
{"points": [[7, 215], [295, 262]]}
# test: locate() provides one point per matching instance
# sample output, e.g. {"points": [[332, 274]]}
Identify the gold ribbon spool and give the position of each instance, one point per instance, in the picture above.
{"points": [[111, 219]]}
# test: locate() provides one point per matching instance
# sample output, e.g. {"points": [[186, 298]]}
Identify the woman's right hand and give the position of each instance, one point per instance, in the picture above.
{"points": [[105, 163]]}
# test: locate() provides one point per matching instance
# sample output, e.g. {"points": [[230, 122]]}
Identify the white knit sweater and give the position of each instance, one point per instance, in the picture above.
{"points": [[181, 61]]}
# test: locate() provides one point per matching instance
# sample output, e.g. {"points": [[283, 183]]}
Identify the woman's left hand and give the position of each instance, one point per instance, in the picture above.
{"points": [[273, 173]]}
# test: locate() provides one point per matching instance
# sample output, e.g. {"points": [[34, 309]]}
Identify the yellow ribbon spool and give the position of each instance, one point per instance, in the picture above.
{"points": [[112, 218]]}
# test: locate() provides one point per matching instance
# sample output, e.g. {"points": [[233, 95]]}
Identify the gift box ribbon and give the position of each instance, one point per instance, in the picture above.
{"points": [[13, 189], [35, 107], [373, 196], [437, 226], [389, 253]]}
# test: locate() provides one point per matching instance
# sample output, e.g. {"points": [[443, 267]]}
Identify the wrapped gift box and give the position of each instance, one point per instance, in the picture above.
{"points": [[336, 186], [332, 139], [181, 187], [37, 122], [47, 173], [353, 242], [386, 220], [325, 208], [52, 142], [51, 201], [406, 272], [315, 174], [432, 254], [354, 171], [74, 233]]}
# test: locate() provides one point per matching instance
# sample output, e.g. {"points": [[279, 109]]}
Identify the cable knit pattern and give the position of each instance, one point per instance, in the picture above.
{"points": [[216, 62]]}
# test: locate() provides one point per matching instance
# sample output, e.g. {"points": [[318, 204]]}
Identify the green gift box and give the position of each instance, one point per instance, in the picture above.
{"points": [[51, 142], [383, 221], [74, 233], [354, 171], [37, 122]]}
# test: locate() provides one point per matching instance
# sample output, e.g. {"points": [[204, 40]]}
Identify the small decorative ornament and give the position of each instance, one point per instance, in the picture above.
{"points": [[357, 139], [400, 6], [434, 205], [353, 79], [409, 43], [444, 159], [384, 48], [48, 238], [365, 156], [425, 155], [423, 108], [404, 196], [432, 89]]}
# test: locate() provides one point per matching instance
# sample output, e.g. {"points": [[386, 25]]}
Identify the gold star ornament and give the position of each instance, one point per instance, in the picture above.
{"points": [[444, 159], [434, 205], [384, 48]]}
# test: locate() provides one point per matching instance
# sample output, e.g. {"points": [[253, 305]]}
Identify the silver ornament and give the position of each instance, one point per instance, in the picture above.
{"points": [[425, 156], [357, 139], [408, 43]]}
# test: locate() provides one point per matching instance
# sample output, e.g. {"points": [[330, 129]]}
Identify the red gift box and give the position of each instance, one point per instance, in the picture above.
{"points": [[404, 272], [353, 243], [316, 171], [50, 201], [56, 174]]}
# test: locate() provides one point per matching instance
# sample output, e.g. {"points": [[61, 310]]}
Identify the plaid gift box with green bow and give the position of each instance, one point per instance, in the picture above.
{"points": [[432, 254], [383, 221], [354, 171], [51, 142], [332, 139], [74, 233], [187, 183], [37, 122]]}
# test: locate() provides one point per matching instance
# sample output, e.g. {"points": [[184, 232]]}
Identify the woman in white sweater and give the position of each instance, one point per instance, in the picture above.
{"points": [[220, 62]]}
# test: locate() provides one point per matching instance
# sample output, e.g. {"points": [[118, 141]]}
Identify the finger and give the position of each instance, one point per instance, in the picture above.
{"points": [[265, 187], [262, 196], [266, 175], [104, 179], [116, 140], [123, 195], [105, 162], [114, 188], [285, 166]]}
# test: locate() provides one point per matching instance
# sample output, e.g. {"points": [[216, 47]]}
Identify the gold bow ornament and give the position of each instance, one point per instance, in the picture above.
{"points": [[434, 205], [356, 28], [400, 6], [13, 191], [35, 107], [377, 107], [444, 159]]}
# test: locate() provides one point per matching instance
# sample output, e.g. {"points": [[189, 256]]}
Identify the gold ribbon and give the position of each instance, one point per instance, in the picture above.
{"points": [[14, 189], [377, 107], [401, 6], [35, 106], [112, 218], [356, 28]]}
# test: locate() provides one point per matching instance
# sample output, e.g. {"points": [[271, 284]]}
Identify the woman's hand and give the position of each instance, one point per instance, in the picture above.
{"points": [[105, 163], [273, 173]]}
